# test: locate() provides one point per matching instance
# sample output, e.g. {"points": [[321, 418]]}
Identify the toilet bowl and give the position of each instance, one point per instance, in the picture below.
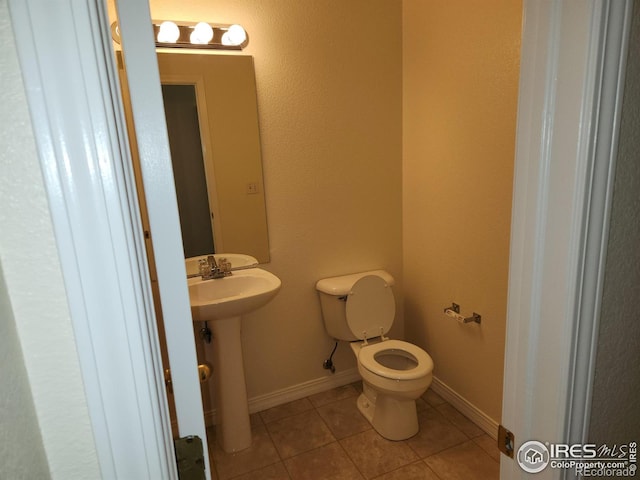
{"points": [[360, 308], [394, 374]]}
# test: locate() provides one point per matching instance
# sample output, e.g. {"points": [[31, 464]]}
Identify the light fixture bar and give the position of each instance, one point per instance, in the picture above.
{"points": [[169, 34]]}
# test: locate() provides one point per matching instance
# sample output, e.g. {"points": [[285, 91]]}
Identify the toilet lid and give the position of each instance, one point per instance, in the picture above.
{"points": [[371, 307]]}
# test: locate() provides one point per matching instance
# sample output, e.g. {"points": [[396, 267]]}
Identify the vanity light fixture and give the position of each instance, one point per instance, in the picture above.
{"points": [[194, 35]]}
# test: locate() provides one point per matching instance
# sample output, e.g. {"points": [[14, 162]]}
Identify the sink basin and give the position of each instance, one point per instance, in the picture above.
{"points": [[232, 296]]}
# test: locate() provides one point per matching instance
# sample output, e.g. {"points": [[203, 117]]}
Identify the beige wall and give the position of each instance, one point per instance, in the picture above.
{"points": [[36, 301], [329, 100], [460, 78]]}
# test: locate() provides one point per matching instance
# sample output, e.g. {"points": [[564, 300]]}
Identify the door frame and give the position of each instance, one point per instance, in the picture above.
{"points": [[555, 266], [571, 87], [71, 84], [206, 146]]}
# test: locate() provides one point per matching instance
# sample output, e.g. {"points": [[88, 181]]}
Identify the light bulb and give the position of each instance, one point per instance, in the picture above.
{"points": [[202, 34], [234, 36], [168, 33]]}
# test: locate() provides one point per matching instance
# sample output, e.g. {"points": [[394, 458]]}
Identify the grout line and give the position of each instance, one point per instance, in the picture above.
{"points": [[351, 458]]}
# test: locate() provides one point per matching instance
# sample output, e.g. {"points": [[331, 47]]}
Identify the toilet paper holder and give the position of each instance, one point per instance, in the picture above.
{"points": [[454, 312]]}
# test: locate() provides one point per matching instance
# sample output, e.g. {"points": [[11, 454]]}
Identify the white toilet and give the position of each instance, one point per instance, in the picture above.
{"points": [[361, 308]]}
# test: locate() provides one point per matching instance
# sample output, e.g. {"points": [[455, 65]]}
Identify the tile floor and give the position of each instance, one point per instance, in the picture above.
{"points": [[324, 436]]}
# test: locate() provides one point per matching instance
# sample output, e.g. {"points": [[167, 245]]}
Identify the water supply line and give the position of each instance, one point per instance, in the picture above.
{"points": [[328, 363]]}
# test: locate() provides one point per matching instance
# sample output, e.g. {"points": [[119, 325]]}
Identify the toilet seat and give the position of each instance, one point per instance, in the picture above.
{"points": [[368, 353]]}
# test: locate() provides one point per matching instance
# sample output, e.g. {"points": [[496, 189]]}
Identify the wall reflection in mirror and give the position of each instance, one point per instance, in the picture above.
{"points": [[212, 121]]}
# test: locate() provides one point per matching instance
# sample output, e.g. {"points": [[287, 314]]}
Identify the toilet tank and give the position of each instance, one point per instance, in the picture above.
{"points": [[333, 292]]}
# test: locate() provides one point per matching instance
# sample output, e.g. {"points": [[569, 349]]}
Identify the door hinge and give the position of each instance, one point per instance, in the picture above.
{"points": [[190, 458], [505, 441]]}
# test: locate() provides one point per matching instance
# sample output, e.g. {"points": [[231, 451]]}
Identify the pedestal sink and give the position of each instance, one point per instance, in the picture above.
{"points": [[222, 302]]}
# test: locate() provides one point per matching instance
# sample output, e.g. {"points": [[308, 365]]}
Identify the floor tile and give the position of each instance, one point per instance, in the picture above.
{"points": [[432, 398], [304, 434], [339, 393], [414, 471], [343, 418], [329, 461], [375, 455], [489, 445], [421, 405], [214, 474], [464, 462], [276, 471], [469, 428], [299, 433], [256, 420], [286, 410], [436, 434], [261, 453]]}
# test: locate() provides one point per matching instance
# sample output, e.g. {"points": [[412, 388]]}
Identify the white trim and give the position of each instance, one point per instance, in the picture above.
{"points": [[294, 392], [468, 409], [302, 390], [611, 57], [559, 207], [70, 85]]}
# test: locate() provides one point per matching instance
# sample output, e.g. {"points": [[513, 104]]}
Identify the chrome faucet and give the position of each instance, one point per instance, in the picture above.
{"points": [[209, 268]]}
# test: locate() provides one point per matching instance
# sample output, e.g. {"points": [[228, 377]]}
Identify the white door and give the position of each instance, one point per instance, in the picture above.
{"points": [[155, 161]]}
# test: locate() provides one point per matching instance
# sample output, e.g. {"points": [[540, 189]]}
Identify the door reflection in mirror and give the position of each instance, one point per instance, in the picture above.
{"points": [[181, 111]]}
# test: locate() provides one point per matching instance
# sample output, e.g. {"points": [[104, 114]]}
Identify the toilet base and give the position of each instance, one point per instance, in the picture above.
{"points": [[393, 418]]}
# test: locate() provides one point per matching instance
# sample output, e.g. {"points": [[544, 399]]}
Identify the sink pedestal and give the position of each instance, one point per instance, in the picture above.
{"points": [[222, 302], [234, 429]]}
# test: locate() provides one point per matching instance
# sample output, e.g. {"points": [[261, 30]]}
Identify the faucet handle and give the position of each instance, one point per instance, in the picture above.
{"points": [[224, 265], [203, 267]]}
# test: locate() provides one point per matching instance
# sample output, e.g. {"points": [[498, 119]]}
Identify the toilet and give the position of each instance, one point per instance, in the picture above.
{"points": [[360, 308]]}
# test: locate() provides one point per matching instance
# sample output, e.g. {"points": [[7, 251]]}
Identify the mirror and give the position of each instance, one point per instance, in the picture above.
{"points": [[212, 121]]}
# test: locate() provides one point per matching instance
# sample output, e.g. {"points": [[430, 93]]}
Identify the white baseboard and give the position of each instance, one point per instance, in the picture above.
{"points": [[294, 392], [473, 413]]}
